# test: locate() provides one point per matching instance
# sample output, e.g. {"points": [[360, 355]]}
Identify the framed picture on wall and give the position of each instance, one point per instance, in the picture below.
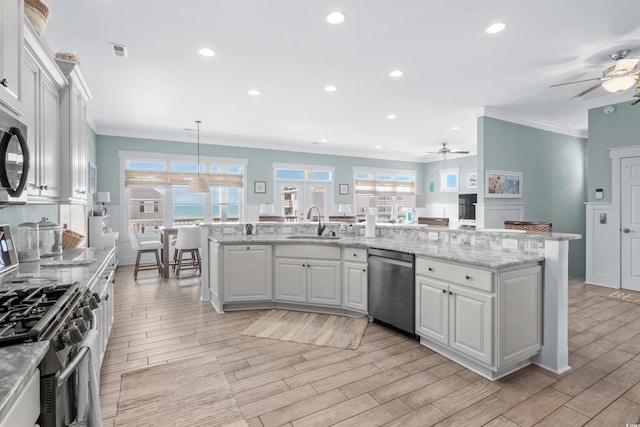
{"points": [[259, 186], [93, 178], [503, 184], [344, 189], [472, 180]]}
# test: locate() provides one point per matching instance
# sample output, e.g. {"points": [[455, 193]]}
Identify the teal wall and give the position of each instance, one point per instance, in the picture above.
{"points": [[467, 165], [260, 164], [554, 176], [620, 129]]}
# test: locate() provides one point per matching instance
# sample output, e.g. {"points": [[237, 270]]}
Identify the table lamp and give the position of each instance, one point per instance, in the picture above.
{"points": [[102, 198]]}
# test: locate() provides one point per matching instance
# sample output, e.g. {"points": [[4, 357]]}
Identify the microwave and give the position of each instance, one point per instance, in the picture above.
{"points": [[14, 161]]}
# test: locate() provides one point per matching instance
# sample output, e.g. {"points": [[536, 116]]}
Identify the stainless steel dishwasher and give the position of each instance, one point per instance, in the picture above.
{"points": [[391, 289]]}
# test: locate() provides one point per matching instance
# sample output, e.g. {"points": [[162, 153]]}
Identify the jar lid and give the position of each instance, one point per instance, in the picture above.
{"points": [[29, 224], [45, 224]]}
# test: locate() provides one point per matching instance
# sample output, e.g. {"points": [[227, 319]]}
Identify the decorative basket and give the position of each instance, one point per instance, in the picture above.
{"points": [[37, 12], [68, 55], [71, 239]]}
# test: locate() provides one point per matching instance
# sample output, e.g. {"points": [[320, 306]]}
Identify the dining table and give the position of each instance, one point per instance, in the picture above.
{"points": [[165, 237]]}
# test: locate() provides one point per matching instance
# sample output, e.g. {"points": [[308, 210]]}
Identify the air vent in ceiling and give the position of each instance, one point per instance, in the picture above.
{"points": [[120, 50]]}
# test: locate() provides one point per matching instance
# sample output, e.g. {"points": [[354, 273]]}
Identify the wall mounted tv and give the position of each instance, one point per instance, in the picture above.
{"points": [[467, 206]]}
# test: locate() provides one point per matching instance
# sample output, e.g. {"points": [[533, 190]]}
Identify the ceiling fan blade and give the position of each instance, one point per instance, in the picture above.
{"points": [[459, 152], [584, 92], [626, 64], [577, 81]]}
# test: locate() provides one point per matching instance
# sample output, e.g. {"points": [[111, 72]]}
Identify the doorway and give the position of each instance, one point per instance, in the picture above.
{"points": [[630, 223]]}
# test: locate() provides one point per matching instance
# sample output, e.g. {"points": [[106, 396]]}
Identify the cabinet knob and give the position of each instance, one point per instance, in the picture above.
{"points": [[430, 269], [303, 265], [444, 291], [355, 254], [364, 270], [248, 248], [467, 277], [4, 82], [450, 293]]}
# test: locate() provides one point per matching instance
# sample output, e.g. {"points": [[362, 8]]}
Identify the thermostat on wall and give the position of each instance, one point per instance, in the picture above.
{"points": [[609, 109]]}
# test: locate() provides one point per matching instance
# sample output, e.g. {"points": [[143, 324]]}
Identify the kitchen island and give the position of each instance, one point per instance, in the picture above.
{"points": [[490, 249]]}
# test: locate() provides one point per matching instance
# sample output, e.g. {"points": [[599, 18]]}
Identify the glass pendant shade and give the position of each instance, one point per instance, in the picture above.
{"points": [[619, 84], [198, 184]]}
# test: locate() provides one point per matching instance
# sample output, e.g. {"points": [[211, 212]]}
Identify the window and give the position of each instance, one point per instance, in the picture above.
{"points": [[298, 187], [155, 190], [383, 190], [449, 180]]}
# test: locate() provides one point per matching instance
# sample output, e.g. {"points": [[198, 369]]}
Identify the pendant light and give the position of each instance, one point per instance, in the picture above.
{"points": [[198, 184]]}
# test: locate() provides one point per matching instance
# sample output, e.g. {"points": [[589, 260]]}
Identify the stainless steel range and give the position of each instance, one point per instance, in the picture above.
{"points": [[34, 309]]}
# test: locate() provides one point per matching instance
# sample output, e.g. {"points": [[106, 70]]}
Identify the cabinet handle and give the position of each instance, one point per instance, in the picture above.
{"points": [[467, 277], [4, 83], [450, 293], [430, 269], [444, 291]]}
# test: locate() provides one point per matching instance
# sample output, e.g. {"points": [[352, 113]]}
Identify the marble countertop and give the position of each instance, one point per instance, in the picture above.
{"points": [[456, 253], [17, 364]]}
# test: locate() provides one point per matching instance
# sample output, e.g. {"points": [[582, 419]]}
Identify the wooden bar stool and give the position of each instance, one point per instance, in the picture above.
{"points": [[153, 246]]}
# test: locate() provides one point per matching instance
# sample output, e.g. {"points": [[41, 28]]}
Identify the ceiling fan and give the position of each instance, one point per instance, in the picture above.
{"points": [[617, 78], [445, 150]]}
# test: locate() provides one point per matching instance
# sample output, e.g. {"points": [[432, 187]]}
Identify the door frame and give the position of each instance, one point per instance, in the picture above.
{"points": [[616, 155]]}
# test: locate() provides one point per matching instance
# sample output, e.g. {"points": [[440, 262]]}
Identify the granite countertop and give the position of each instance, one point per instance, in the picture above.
{"points": [[17, 364], [457, 253]]}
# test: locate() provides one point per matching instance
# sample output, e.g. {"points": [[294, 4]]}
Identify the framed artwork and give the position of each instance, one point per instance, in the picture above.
{"points": [[344, 189], [472, 180], [259, 186], [449, 180], [93, 178], [503, 184]]}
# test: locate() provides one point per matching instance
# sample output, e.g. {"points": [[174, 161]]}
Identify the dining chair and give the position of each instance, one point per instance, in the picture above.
{"points": [[151, 246], [536, 226], [187, 242]]}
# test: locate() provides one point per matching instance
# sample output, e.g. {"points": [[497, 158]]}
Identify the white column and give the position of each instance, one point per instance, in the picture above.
{"points": [[554, 355]]}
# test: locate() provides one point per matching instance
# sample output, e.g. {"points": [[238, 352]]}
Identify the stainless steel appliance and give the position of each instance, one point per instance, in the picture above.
{"points": [[8, 257], [38, 309], [14, 161], [392, 289]]}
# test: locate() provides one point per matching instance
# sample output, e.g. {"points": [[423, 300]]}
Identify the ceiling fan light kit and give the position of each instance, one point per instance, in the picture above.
{"points": [[619, 84]]}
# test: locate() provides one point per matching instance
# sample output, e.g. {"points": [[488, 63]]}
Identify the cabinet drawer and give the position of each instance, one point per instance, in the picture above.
{"points": [[355, 254], [456, 273], [308, 251]]}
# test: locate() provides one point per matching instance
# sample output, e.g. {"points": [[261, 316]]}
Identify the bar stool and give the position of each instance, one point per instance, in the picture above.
{"points": [[188, 241], [145, 247]]}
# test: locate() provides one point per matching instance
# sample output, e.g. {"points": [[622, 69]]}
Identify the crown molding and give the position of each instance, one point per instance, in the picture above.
{"points": [[526, 121]]}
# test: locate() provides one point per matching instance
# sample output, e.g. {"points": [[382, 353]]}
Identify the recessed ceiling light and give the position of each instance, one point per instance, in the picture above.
{"points": [[496, 28], [330, 88], [323, 140], [396, 73], [336, 17], [253, 92], [378, 147], [391, 116], [455, 128], [205, 51]]}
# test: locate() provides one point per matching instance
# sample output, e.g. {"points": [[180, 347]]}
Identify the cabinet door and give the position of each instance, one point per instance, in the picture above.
{"points": [[432, 309], [247, 273], [291, 279], [11, 22], [50, 138], [30, 102], [323, 286], [78, 144], [471, 323], [354, 285]]}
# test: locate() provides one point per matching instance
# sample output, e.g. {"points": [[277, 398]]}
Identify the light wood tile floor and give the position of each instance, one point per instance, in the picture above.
{"points": [[390, 379]]}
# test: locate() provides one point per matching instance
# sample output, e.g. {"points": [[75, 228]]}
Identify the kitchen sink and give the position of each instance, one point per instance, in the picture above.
{"points": [[309, 237]]}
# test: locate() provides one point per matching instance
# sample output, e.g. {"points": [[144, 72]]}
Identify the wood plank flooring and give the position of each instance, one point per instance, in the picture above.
{"points": [[390, 379]]}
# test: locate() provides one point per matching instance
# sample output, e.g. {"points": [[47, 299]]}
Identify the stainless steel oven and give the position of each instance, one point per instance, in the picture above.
{"points": [[14, 161]]}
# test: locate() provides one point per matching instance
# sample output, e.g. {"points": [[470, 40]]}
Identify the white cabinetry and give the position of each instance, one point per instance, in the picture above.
{"points": [[26, 409], [354, 278], [487, 320], [247, 273], [41, 82], [73, 122], [11, 36], [307, 273], [102, 285]]}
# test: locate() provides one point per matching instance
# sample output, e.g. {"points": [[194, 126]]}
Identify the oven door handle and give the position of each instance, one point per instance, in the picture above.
{"points": [[73, 365]]}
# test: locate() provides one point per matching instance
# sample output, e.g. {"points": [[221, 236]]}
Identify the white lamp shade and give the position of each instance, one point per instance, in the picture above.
{"points": [[266, 209], [103, 197], [198, 185], [344, 208], [619, 84]]}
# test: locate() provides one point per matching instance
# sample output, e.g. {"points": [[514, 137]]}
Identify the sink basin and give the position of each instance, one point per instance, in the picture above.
{"points": [[308, 237]]}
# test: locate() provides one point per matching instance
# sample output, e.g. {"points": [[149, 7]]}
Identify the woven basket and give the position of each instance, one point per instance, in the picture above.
{"points": [[37, 12], [71, 239], [537, 226]]}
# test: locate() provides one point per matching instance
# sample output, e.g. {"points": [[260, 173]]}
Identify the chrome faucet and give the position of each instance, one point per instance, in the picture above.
{"points": [[320, 225]]}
